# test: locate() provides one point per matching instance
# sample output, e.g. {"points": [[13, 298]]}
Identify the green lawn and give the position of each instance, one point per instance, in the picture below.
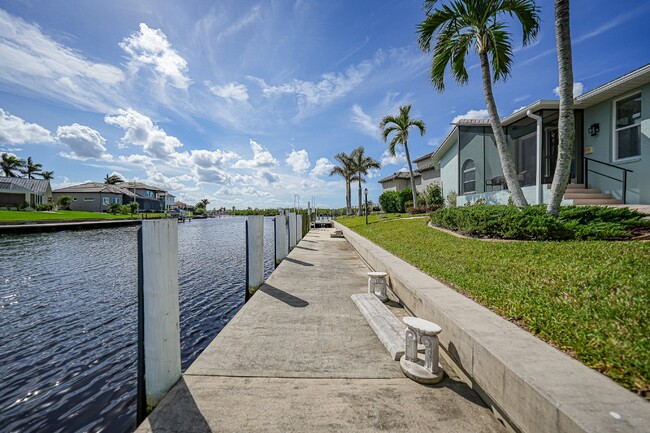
{"points": [[588, 298], [16, 215]]}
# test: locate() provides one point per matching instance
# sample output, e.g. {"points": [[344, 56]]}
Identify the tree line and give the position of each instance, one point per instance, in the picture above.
{"points": [[11, 165]]}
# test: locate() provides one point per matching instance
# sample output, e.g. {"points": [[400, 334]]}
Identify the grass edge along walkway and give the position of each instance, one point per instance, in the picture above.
{"points": [[587, 298], [11, 216]]}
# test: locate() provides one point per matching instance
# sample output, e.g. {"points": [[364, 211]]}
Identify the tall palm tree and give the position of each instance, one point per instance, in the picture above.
{"points": [[566, 123], [400, 124], [47, 175], [31, 168], [112, 179], [345, 169], [205, 202], [10, 164], [478, 24], [362, 164]]}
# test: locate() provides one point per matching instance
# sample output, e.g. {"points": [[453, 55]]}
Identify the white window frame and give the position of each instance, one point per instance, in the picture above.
{"points": [[89, 199], [463, 172], [116, 200], [106, 201], [615, 157]]}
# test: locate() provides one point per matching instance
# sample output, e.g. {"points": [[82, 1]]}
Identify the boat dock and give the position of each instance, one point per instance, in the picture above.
{"points": [[299, 356]]}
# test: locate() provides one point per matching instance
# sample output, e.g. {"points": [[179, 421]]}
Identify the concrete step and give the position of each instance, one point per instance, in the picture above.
{"points": [[389, 329], [587, 201], [575, 186], [586, 195], [583, 191]]}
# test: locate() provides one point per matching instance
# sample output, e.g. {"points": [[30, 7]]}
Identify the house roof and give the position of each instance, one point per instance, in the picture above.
{"points": [[422, 158], [140, 185], [35, 185], [96, 187], [427, 166], [616, 87], [399, 175], [473, 122]]}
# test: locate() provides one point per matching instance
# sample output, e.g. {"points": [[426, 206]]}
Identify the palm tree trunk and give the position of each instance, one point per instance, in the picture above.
{"points": [[348, 198], [566, 122], [360, 201], [413, 190], [507, 164]]}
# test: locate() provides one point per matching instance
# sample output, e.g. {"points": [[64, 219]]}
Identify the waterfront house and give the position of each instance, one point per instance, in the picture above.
{"points": [[94, 196], [18, 190], [169, 200], [148, 197], [612, 151]]}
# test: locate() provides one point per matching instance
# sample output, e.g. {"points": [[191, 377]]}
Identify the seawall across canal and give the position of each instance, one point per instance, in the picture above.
{"points": [[299, 356]]}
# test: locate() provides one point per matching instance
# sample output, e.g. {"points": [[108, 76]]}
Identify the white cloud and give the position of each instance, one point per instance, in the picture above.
{"points": [[261, 158], [141, 131], [578, 89], [151, 47], [211, 158], [472, 114], [84, 142], [212, 175], [364, 121], [387, 159], [298, 160], [233, 91], [268, 176], [322, 167], [41, 65], [14, 130]]}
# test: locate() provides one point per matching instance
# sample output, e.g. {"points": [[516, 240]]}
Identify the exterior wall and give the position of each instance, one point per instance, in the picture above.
{"points": [[81, 200], [169, 202], [420, 164], [449, 170], [638, 186], [9, 199], [428, 177], [396, 185]]}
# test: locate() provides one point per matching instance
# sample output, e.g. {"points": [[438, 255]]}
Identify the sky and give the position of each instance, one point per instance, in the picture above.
{"points": [[246, 102]]}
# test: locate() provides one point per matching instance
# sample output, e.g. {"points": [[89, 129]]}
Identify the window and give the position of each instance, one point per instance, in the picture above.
{"points": [[469, 177], [627, 127], [89, 199], [116, 200], [106, 201], [74, 199]]}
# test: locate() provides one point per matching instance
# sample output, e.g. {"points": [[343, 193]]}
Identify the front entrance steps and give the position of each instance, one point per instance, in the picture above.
{"points": [[580, 194]]}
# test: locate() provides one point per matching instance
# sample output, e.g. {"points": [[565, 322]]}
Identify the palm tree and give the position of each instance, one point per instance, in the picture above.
{"points": [[204, 203], [47, 175], [477, 24], [11, 163], [345, 170], [400, 125], [362, 165], [112, 179], [566, 122], [31, 168]]}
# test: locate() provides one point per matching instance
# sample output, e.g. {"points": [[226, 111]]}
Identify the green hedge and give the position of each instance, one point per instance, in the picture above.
{"points": [[532, 222]]}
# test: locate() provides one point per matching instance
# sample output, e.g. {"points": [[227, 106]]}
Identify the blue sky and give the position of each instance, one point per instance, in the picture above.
{"points": [[245, 103]]}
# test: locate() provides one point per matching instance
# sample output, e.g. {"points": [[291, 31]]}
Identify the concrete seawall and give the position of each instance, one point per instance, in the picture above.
{"points": [[535, 387], [55, 226]]}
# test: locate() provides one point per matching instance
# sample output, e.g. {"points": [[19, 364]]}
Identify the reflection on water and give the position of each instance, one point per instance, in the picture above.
{"points": [[68, 313]]}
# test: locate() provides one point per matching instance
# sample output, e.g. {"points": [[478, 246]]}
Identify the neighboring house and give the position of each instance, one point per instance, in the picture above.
{"points": [[169, 199], [612, 149], [148, 197], [94, 196], [18, 190], [179, 205]]}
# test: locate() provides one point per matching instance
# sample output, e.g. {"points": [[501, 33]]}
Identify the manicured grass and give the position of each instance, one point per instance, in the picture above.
{"points": [[588, 298], [15, 215]]}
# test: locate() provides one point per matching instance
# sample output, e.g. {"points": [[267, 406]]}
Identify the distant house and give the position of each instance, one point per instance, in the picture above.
{"points": [[169, 200], [148, 197], [179, 205], [611, 154], [18, 190], [425, 174], [94, 196]]}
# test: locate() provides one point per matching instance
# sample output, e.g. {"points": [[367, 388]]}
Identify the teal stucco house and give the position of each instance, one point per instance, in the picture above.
{"points": [[611, 164]]}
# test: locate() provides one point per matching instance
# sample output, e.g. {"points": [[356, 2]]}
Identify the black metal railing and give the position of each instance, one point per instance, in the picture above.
{"points": [[623, 180]]}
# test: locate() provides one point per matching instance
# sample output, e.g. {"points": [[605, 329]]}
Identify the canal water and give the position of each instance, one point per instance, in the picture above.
{"points": [[68, 318]]}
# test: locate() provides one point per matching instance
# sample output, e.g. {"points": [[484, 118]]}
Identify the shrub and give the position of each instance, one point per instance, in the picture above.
{"points": [[433, 195], [114, 208], [405, 197], [44, 207], [422, 209], [532, 222], [389, 201], [64, 202], [133, 207], [452, 199]]}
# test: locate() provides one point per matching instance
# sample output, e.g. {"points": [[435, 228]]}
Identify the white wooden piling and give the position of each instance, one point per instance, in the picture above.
{"points": [[292, 230], [281, 243], [255, 253], [299, 228], [158, 286]]}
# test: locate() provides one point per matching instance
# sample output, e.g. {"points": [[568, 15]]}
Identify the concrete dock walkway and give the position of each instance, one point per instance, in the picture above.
{"points": [[300, 357]]}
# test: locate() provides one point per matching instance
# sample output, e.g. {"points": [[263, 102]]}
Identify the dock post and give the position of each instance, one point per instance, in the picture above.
{"points": [[292, 230], [254, 254], [159, 342], [281, 244], [299, 221]]}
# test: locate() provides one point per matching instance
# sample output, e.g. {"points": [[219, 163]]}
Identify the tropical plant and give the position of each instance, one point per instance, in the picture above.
{"points": [[31, 168], [345, 169], [478, 24], [64, 202], [203, 204], [114, 208], [47, 175], [389, 201], [566, 122], [362, 164], [433, 195], [406, 198], [10, 164], [400, 125], [112, 179]]}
